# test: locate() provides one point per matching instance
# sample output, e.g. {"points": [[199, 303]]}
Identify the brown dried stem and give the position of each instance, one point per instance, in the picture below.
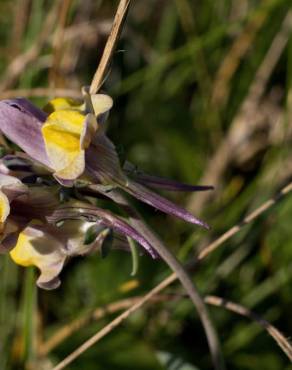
{"points": [[112, 325], [112, 40], [97, 314], [111, 308], [283, 343]]}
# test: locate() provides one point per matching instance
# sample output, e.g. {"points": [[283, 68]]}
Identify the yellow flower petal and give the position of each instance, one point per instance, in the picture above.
{"points": [[37, 248], [67, 120], [4, 208], [62, 104], [62, 133], [75, 166], [96, 103], [101, 103], [68, 132]]}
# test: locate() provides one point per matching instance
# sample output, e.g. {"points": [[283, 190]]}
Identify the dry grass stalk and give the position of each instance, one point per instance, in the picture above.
{"points": [[283, 343], [99, 313], [112, 40]]}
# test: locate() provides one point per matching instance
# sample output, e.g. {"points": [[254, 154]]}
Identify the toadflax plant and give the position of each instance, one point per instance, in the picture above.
{"points": [[67, 161], [49, 191]]}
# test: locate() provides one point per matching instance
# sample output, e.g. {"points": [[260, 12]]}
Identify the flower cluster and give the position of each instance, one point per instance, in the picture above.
{"points": [[49, 189]]}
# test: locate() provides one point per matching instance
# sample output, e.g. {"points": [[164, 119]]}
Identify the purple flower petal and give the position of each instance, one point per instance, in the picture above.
{"points": [[27, 107], [103, 162], [106, 218], [21, 122], [160, 182], [149, 197], [170, 185]]}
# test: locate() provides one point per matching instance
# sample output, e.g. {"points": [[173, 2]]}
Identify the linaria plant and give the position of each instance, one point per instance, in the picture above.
{"points": [[58, 163], [48, 191]]}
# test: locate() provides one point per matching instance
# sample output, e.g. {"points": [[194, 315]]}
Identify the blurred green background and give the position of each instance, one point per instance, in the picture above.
{"points": [[203, 94]]}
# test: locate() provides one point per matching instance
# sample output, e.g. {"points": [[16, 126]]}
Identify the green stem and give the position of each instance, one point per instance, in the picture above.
{"points": [[135, 256], [29, 304]]}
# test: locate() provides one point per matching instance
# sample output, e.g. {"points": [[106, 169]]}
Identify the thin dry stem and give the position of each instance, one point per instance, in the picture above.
{"points": [[101, 312], [112, 40], [247, 220], [170, 279], [112, 325], [283, 343]]}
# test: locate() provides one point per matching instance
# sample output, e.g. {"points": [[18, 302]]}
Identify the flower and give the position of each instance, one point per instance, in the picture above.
{"points": [[62, 148], [36, 239], [65, 151]]}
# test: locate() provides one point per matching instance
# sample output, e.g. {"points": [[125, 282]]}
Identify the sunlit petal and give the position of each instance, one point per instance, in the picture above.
{"points": [[101, 103], [62, 134], [37, 248]]}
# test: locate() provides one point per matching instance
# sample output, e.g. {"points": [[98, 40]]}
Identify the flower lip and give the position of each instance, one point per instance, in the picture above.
{"points": [[36, 247], [62, 134]]}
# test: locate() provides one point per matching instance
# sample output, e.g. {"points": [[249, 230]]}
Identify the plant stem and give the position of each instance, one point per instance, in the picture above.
{"points": [[137, 222], [109, 47]]}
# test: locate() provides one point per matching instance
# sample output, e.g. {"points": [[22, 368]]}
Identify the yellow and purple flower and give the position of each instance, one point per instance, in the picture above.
{"points": [[65, 152]]}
